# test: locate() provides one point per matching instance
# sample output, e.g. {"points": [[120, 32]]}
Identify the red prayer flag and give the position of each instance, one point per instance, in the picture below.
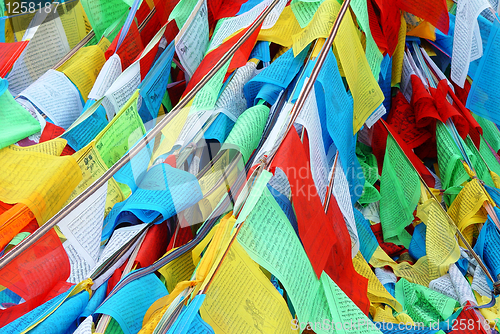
{"points": [[239, 59], [402, 119], [9, 52], [180, 237], [339, 265], [434, 11], [164, 8], [32, 275], [379, 142], [154, 245], [389, 19], [52, 131], [130, 48], [316, 234]]}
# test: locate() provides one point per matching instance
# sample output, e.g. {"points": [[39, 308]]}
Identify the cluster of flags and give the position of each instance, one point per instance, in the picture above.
{"points": [[259, 166]]}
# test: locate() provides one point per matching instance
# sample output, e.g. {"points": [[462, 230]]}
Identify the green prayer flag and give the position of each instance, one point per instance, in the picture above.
{"points": [[400, 192], [103, 13], [368, 163], [451, 169], [16, 123], [247, 131], [423, 304], [181, 12]]}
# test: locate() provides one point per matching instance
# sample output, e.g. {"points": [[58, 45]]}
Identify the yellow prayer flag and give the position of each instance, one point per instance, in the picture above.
{"points": [[40, 181], [467, 208], [365, 90], [93, 167], [398, 56], [84, 67], [241, 299], [442, 248], [377, 293], [73, 21], [51, 147], [177, 270], [171, 131], [319, 27], [283, 30]]}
